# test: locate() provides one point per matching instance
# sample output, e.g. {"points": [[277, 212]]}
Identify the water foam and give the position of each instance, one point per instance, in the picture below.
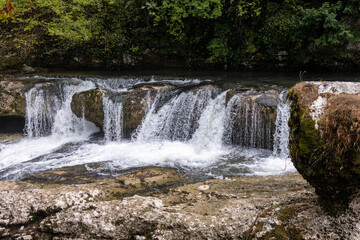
{"points": [[187, 132]]}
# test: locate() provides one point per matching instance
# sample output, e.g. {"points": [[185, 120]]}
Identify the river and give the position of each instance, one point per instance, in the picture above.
{"points": [[198, 131]]}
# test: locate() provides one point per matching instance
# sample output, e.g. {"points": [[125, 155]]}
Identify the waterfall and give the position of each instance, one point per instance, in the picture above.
{"points": [[211, 125], [112, 119], [281, 135], [48, 111], [198, 130], [39, 112], [176, 120], [248, 124]]}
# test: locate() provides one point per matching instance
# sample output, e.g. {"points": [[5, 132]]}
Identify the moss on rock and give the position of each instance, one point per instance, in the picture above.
{"points": [[326, 157], [89, 104], [12, 99]]}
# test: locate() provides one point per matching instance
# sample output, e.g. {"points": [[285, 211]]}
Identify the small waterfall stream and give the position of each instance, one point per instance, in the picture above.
{"points": [[176, 120], [248, 124], [48, 111], [112, 119], [194, 130], [281, 135]]}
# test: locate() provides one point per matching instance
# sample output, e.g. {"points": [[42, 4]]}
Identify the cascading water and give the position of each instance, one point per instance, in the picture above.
{"points": [[248, 124], [210, 132], [48, 111], [49, 125], [281, 135], [176, 120], [112, 119], [39, 113], [195, 130]]}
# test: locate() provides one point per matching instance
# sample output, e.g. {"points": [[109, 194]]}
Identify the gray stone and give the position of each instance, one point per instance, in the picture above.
{"points": [[12, 98], [247, 207], [27, 69]]}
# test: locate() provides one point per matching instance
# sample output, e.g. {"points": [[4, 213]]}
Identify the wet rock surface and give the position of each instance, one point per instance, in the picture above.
{"points": [[253, 114], [10, 137], [90, 105], [324, 141], [12, 99], [282, 207], [136, 102]]}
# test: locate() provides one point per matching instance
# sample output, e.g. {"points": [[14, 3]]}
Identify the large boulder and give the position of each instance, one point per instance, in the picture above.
{"points": [[325, 139], [135, 102], [90, 105], [12, 99]]}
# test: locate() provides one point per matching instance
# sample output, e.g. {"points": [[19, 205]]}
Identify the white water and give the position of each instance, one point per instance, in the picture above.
{"points": [[281, 135], [176, 120], [49, 124], [187, 132], [210, 132], [112, 119], [247, 125]]}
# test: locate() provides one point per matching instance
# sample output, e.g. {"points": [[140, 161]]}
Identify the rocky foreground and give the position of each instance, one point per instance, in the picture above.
{"points": [[143, 205]]}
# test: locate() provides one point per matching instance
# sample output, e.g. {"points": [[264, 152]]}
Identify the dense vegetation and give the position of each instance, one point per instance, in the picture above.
{"points": [[226, 34]]}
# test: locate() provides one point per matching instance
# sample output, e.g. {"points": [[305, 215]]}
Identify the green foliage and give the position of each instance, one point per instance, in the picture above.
{"points": [[173, 12], [326, 30], [224, 33]]}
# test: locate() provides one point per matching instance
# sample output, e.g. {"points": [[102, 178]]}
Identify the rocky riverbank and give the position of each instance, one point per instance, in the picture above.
{"points": [[141, 205]]}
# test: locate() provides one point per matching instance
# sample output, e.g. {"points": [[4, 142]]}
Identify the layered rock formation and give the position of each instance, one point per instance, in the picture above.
{"points": [[134, 102], [325, 139], [282, 207]]}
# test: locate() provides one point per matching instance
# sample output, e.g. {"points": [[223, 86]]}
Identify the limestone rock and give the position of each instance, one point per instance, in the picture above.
{"points": [[12, 98], [282, 207], [27, 69], [325, 139], [89, 104], [268, 99]]}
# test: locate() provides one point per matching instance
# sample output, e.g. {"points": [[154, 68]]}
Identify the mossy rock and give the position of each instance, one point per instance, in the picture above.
{"points": [[89, 104], [12, 99], [327, 156]]}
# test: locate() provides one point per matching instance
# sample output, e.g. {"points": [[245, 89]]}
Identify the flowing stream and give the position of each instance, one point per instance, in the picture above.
{"points": [[198, 131]]}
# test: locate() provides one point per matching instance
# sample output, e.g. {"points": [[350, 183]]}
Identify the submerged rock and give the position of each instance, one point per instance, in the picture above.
{"points": [[325, 139], [90, 105]]}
